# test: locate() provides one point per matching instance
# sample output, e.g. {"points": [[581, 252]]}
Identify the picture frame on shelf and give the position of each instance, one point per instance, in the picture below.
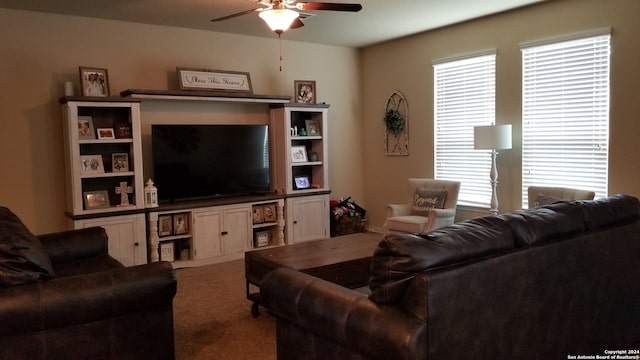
{"points": [[312, 128], [305, 91], [91, 164], [120, 162], [165, 225], [180, 224], [299, 154], [269, 212], [94, 81], [105, 134], [96, 199], [167, 251], [301, 182], [85, 128], [123, 130], [262, 238], [258, 215]]}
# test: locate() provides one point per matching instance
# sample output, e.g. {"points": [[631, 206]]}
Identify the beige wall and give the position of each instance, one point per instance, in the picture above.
{"points": [[406, 65], [40, 52]]}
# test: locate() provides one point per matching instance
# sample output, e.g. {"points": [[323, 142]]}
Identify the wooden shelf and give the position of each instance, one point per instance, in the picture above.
{"points": [[203, 96]]}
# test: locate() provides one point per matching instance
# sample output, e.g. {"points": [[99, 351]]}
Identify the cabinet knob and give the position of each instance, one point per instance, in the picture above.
{"points": [[295, 221], [224, 232], [136, 243]]}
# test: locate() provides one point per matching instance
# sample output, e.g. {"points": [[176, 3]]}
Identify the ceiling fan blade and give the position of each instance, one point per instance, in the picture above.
{"points": [[328, 6], [237, 14], [297, 23]]}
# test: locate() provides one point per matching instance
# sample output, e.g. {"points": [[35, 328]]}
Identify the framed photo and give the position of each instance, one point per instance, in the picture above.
{"points": [[94, 82], [301, 182], [105, 134], [305, 91], [269, 212], [123, 131], [180, 224], [167, 251], [165, 225], [298, 154], [262, 238], [216, 80], [96, 199], [119, 162], [258, 215], [91, 164], [85, 128], [312, 127]]}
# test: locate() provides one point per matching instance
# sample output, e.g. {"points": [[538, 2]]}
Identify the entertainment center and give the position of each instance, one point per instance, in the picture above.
{"points": [[265, 185]]}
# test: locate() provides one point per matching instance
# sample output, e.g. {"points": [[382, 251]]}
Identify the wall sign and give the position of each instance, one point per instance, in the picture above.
{"points": [[214, 80]]}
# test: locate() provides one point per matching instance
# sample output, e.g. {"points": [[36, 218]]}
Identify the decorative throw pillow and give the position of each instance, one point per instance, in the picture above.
{"points": [[425, 200], [22, 258], [542, 200]]}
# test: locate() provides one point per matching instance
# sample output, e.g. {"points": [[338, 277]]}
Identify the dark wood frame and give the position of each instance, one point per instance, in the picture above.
{"points": [[297, 89]]}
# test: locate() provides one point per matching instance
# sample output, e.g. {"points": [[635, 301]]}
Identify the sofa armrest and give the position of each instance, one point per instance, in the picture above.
{"points": [[75, 244], [343, 316], [398, 210], [74, 300]]}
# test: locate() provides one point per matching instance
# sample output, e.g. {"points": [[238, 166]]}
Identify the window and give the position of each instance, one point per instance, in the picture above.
{"points": [[464, 97], [565, 114]]}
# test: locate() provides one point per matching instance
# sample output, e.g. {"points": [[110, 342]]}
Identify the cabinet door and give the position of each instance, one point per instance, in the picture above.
{"points": [[237, 230], [307, 218], [207, 228], [126, 237]]}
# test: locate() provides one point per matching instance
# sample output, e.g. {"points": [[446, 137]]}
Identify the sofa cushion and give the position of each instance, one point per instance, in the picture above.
{"points": [[426, 199], [545, 223], [399, 256], [22, 258], [609, 211]]}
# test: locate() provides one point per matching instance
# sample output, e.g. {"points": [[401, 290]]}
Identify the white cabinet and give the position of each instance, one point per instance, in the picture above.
{"points": [[215, 233], [307, 218], [124, 233], [221, 231]]}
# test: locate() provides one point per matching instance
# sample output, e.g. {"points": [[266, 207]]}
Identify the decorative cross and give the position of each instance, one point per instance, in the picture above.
{"points": [[123, 190]]}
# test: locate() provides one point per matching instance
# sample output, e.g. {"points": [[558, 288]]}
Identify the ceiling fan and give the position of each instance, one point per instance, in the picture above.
{"points": [[280, 16]]}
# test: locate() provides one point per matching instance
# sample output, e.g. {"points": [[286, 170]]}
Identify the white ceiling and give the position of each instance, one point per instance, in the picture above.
{"points": [[378, 21]]}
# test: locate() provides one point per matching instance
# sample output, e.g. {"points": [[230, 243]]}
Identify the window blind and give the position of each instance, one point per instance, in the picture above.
{"points": [[565, 115], [464, 97]]}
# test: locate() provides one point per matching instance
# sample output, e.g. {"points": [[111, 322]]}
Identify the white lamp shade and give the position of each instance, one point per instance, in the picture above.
{"points": [[492, 137], [279, 20]]}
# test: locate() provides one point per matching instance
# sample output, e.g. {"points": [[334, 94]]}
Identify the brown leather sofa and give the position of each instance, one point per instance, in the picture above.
{"points": [[544, 283], [63, 297]]}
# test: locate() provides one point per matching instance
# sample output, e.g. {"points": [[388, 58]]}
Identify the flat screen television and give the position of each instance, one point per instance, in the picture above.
{"points": [[207, 161]]}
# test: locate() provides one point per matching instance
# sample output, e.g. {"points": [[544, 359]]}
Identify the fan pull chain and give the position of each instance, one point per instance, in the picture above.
{"points": [[280, 44]]}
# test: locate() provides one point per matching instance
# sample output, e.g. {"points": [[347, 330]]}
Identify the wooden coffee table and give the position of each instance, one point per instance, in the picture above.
{"points": [[343, 260]]}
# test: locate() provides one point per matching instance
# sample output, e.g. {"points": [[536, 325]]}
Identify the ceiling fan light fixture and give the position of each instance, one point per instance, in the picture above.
{"points": [[279, 20]]}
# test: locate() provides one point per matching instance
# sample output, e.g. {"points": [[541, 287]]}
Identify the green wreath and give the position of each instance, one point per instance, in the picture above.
{"points": [[394, 121]]}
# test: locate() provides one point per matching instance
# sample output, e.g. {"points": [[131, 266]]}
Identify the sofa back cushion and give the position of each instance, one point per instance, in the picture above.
{"points": [[399, 256], [613, 210], [22, 258]]}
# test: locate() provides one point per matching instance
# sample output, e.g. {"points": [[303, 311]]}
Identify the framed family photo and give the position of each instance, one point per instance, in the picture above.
{"points": [[85, 128], [105, 134], [305, 91], [120, 162], [94, 82], [180, 224], [312, 127], [91, 164], [298, 154], [301, 182], [96, 199], [165, 225]]}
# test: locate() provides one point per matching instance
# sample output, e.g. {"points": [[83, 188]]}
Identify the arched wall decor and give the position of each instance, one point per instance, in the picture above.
{"points": [[396, 119]]}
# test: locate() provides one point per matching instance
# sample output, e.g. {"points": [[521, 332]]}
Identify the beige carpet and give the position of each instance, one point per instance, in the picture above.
{"points": [[212, 317]]}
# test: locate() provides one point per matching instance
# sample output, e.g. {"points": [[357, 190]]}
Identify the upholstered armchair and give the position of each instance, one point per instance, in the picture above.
{"points": [[545, 195], [431, 204]]}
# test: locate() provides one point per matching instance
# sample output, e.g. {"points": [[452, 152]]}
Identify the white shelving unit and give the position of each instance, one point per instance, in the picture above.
{"points": [[101, 192]]}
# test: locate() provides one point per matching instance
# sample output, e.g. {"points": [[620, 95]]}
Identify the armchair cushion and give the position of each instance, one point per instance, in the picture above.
{"points": [[22, 258], [426, 199]]}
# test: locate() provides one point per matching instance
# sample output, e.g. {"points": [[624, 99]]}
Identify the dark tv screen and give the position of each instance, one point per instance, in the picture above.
{"points": [[207, 161]]}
